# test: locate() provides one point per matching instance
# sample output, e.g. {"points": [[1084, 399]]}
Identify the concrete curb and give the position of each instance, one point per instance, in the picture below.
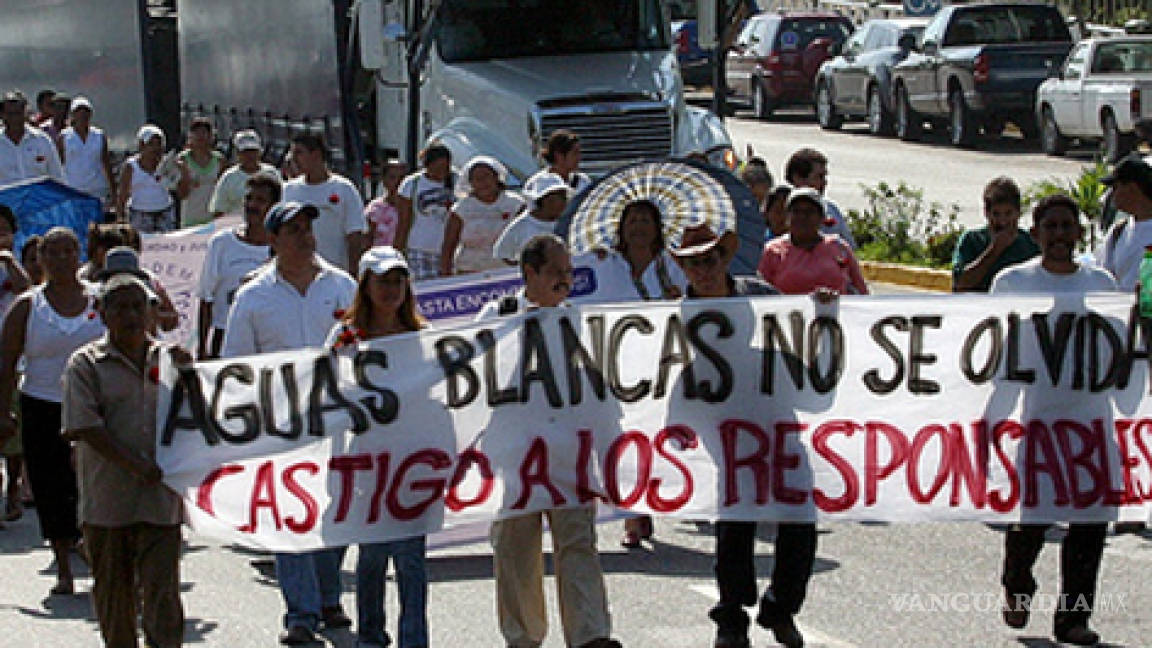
{"points": [[904, 275]]}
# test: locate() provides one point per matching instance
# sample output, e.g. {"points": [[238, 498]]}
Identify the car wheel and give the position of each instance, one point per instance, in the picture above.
{"points": [[762, 106], [1050, 138], [879, 119], [908, 123], [825, 111], [960, 125], [1116, 144]]}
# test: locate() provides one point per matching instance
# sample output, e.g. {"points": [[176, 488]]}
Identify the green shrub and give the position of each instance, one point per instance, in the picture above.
{"points": [[900, 227]]}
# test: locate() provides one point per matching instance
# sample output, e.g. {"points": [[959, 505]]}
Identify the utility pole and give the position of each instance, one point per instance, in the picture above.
{"points": [[720, 54]]}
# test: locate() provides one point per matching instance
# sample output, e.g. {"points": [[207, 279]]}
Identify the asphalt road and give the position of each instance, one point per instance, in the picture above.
{"points": [[946, 174]]}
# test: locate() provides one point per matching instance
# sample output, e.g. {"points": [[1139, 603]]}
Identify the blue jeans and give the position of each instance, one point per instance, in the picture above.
{"points": [[309, 581], [412, 580]]}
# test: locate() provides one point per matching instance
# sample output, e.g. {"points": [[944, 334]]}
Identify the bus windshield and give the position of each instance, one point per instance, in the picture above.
{"points": [[476, 30]]}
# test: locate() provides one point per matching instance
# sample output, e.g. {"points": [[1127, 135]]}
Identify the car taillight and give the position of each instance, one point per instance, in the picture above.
{"points": [[980, 69], [1134, 103], [683, 42]]}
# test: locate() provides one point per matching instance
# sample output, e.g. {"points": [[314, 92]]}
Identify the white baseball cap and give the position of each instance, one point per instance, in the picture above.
{"points": [[381, 259], [542, 184], [247, 140], [147, 132], [80, 102]]}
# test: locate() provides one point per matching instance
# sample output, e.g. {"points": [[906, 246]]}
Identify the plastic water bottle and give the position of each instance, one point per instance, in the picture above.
{"points": [[1146, 283]]}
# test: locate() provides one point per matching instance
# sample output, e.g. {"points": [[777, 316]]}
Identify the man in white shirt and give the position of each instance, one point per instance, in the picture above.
{"points": [[341, 228], [1056, 228], [25, 152], [292, 303], [1123, 247], [547, 196], [231, 188], [516, 560], [232, 254], [84, 153]]}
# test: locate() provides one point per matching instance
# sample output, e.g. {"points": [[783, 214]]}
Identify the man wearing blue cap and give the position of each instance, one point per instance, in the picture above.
{"points": [[292, 303]]}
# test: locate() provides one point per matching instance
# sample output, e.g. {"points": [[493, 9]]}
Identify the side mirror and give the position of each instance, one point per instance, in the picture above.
{"points": [[836, 49], [931, 47], [907, 42], [1053, 71], [369, 20]]}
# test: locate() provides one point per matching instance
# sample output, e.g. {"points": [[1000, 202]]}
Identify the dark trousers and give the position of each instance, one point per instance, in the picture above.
{"points": [[48, 458], [1080, 554], [136, 572], [736, 574]]}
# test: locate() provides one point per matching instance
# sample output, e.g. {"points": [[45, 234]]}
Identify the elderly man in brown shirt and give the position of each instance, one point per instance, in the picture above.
{"points": [[131, 521]]}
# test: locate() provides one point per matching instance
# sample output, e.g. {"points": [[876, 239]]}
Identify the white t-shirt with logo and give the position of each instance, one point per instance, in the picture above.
{"points": [[227, 261], [341, 213], [430, 203], [481, 224], [517, 235]]}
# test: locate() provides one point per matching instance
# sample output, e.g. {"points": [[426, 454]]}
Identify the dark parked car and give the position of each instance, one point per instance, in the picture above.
{"points": [[978, 66], [775, 58], [695, 62], [858, 82]]}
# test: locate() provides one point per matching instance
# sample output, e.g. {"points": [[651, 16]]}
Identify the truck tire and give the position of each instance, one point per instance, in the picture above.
{"points": [[908, 123], [762, 106], [879, 119], [1050, 138], [961, 126], [826, 113], [1115, 144]]}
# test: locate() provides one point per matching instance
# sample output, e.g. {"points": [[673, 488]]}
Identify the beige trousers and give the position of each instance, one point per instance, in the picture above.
{"points": [[518, 562], [136, 567]]}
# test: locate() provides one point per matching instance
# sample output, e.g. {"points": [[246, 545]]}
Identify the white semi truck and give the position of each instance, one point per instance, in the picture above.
{"points": [[382, 77]]}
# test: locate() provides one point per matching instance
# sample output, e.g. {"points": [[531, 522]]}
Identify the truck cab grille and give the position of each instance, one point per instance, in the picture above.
{"points": [[612, 132]]}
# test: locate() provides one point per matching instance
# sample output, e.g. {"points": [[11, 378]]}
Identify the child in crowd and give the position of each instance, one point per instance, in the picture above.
{"points": [[478, 219]]}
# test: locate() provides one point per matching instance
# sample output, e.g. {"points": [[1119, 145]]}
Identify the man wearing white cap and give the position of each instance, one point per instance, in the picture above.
{"points": [[25, 151], [289, 304], [84, 152], [548, 195], [228, 196]]}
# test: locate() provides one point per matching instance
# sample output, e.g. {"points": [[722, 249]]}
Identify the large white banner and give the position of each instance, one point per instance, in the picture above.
{"points": [[776, 408]]}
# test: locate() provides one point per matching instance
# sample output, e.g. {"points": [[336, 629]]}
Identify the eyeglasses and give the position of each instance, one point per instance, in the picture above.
{"points": [[705, 260]]}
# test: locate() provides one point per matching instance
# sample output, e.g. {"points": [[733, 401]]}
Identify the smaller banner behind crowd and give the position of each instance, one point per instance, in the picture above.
{"points": [[881, 408]]}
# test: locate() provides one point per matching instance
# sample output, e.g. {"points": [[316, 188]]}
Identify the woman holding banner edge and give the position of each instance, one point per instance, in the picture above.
{"points": [[384, 305]]}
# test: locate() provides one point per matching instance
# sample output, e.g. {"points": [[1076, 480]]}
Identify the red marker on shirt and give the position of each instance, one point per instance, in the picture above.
{"points": [[334, 199]]}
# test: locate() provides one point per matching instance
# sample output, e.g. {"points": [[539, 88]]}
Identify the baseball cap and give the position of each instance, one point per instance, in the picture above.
{"points": [[247, 140], [13, 95], [283, 212], [147, 132], [1130, 169], [125, 280], [542, 184], [806, 193], [80, 102], [121, 260], [696, 239], [381, 259]]}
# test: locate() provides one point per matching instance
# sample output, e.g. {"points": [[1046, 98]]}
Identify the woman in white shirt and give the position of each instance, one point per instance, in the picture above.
{"points": [[45, 326], [477, 219], [143, 199]]}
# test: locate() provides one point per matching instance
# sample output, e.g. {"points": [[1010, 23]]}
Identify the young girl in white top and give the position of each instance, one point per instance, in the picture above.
{"points": [[478, 219]]}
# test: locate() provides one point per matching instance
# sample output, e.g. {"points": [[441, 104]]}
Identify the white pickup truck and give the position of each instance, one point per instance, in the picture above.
{"points": [[1103, 89]]}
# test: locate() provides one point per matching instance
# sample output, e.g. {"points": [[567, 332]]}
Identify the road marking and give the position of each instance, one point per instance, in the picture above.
{"points": [[811, 636]]}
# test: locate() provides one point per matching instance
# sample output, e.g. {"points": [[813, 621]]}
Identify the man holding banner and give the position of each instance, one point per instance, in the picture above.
{"points": [[517, 558], [1056, 228], [292, 304]]}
